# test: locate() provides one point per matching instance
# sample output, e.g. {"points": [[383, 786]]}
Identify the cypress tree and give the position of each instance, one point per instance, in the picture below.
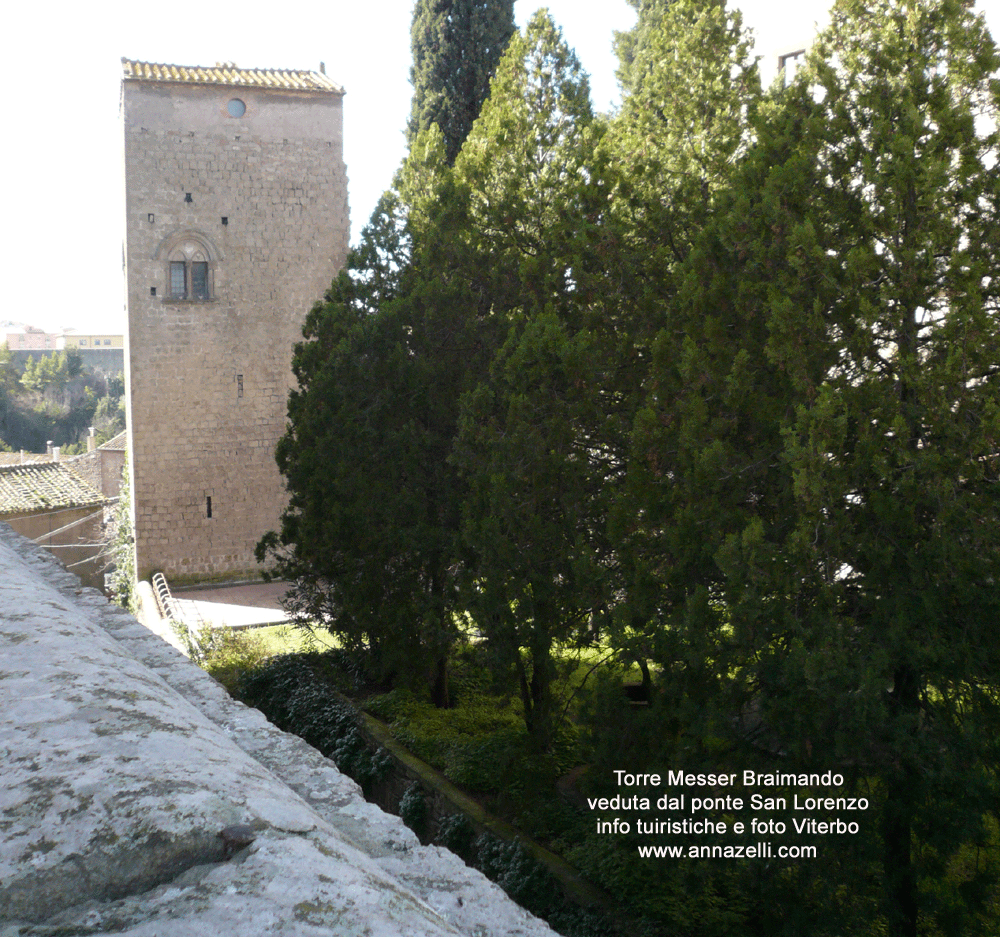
{"points": [[456, 47], [630, 43], [529, 518], [820, 455]]}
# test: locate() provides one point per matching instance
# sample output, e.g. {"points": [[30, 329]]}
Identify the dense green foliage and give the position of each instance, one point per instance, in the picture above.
{"points": [[294, 693], [711, 385], [56, 398], [831, 422], [536, 578], [456, 46], [224, 652]]}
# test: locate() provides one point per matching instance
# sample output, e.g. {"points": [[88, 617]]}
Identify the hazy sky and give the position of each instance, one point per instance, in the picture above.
{"points": [[61, 64]]}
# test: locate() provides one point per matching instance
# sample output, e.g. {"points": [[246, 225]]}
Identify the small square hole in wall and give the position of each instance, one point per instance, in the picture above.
{"points": [[152, 291], [150, 217], [187, 197], [225, 219]]}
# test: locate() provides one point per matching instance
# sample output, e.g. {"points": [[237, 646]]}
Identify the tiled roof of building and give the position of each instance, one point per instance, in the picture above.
{"points": [[43, 486], [227, 73], [119, 443], [14, 458]]}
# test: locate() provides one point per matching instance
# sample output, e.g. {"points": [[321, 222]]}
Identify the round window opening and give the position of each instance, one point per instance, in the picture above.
{"points": [[236, 108]]}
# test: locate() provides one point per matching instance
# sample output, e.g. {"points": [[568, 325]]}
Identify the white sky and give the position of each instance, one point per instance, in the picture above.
{"points": [[60, 62]]}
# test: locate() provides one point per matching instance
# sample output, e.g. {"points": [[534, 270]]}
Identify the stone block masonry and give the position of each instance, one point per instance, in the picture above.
{"points": [[122, 764], [236, 224]]}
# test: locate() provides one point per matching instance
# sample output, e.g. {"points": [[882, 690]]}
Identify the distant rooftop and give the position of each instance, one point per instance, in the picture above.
{"points": [[118, 443], [16, 458], [42, 486], [228, 73]]}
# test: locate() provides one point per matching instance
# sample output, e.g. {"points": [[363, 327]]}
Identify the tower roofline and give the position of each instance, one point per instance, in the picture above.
{"points": [[228, 73]]}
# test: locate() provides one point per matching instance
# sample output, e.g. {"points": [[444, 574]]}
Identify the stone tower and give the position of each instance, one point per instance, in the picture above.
{"points": [[236, 223]]}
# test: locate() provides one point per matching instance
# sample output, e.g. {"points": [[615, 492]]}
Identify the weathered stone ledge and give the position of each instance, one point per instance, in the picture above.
{"points": [[121, 763]]}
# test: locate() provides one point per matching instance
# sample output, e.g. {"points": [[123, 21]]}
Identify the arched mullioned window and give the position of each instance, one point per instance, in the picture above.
{"points": [[191, 261]]}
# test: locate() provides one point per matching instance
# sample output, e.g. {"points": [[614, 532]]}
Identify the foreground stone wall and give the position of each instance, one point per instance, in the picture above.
{"points": [[123, 762]]}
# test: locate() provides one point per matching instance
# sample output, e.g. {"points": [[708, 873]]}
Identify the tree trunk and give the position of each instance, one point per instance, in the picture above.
{"points": [[541, 699], [440, 695], [899, 874]]}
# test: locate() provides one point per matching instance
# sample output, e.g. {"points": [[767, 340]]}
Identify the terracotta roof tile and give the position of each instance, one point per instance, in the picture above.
{"points": [[14, 458], [45, 485], [119, 443], [226, 73]]}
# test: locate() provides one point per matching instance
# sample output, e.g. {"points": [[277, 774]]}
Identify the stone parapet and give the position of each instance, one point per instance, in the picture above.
{"points": [[123, 764]]}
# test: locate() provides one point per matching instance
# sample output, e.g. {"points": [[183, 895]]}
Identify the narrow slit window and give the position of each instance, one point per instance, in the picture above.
{"points": [[208, 506], [239, 385]]}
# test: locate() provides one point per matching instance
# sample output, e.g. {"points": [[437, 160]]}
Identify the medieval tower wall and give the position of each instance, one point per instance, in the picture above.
{"points": [[236, 223]]}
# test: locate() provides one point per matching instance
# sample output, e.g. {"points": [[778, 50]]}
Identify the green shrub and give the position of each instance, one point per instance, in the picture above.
{"points": [[225, 653], [528, 882], [474, 745], [486, 763], [121, 580], [455, 832], [688, 897], [413, 810], [524, 878], [394, 705], [292, 694]]}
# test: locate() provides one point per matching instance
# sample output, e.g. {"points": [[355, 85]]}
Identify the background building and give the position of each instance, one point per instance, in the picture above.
{"points": [[50, 503], [236, 224], [104, 352]]}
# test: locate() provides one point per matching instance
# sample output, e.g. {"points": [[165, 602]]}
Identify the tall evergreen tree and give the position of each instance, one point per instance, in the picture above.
{"points": [[684, 125], [371, 537], [456, 47], [629, 43], [820, 451], [534, 480]]}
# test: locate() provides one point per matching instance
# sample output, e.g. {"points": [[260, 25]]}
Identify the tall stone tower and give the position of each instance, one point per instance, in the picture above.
{"points": [[236, 223]]}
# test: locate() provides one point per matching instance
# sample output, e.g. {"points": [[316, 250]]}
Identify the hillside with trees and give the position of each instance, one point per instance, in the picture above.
{"points": [[56, 398], [708, 384]]}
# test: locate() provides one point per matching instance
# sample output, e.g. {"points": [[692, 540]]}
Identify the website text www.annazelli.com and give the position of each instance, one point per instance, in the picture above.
{"points": [[757, 851]]}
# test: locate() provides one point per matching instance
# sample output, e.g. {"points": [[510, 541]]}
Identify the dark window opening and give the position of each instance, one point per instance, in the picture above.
{"points": [[239, 385], [199, 280], [178, 288], [189, 280], [208, 506]]}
